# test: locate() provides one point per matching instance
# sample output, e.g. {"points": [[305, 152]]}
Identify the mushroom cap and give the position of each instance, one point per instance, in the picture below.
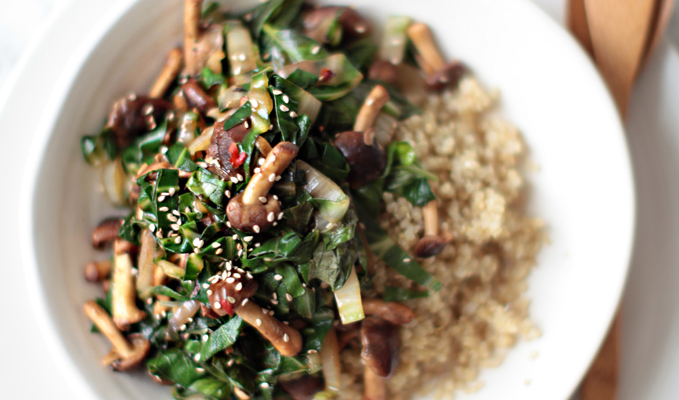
{"points": [[366, 158], [354, 26], [141, 347], [303, 388], [384, 71], [380, 346], [196, 97], [230, 293], [132, 115], [221, 141], [245, 216], [106, 232], [392, 311], [430, 246], [448, 76]]}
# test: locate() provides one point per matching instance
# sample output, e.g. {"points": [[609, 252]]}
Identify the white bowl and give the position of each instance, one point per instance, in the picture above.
{"points": [[549, 89]]}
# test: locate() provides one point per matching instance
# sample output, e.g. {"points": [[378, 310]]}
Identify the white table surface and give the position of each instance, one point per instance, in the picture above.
{"points": [[26, 369]]}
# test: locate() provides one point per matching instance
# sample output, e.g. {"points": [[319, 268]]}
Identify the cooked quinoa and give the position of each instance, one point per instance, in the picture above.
{"points": [[481, 310]]}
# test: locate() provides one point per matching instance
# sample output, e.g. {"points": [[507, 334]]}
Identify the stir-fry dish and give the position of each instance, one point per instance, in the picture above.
{"points": [[257, 171]]}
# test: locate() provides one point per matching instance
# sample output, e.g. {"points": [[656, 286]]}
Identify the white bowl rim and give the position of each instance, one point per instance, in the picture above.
{"points": [[82, 388]]}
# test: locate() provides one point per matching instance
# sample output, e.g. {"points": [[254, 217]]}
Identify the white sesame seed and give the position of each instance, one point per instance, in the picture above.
{"points": [[270, 217], [205, 286], [286, 338], [234, 237], [271, 312], [275, 197], [260, 161], [278, 277], [175, 227], [247, 124], [274, 302], [227, 193], [152, 227], [231, 300], [182, 328], [234, 179], [244, 302], [316, 50], [312, 351], [239, 286], [175, 212], [275, 224], [275, 296], [205, 338], [196, 358], [288, 297], [171, 191], [258, 170], [272, 177], [217, 305], [171, 217], [257, 244], [264, 311], [286, 99], [280, 215], [249, 275], [240, 177], [230, 280], [284, 108], [256, 228], [360, 28], [201, 164], [219, 251], [236, 275], [228, 224], [161, 199], [209, 292], [248, 238], [262, 199], [239, 246], [293, 114], [132, 97], [254, 103], [406, 260], [264, 385], [277, 92], [216, 244], [163, 313]]}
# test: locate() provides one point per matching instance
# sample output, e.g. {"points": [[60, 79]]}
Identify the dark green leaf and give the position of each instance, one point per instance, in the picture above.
{"points": [[222, 338], [176, 366], [242, 114], [208, 185], [393, 293], [144, 148]]}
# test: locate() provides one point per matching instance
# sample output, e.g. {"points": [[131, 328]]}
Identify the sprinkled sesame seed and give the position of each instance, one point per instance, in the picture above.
{"points": [[236, 275], [234, 237], [278, 178], [257, 244], [209, 292], [227, 193], [254, 103], [280, 216], [242, 56], [182, 328], [163, 313], [239, 286], [275, 197], [132, 97], [275, 296], [216, 244], [264, 384], [284, 108], [152, 227], [244, 302], [230, 280], [286, 338], [249, 275], [175, 212], [264, 311], [278, 277], [406, 260], [293, 114], [288, 297], [219, 251], [274, 302], [260, 161], [239, 246], [205, 338], [247, 124], [258, 170], [217, 305], [272, 177], [171, 191], [271, 312], [262, 199], [312, 351], [175, 227], [231, 299], [196, 358], [234, 179], [240, 177], [275, 224], [228, 224], [360, 28], [270, 217], [205, 286], [256, 228], [286, 99], [316, 50], [161, 199], [277, 92]]}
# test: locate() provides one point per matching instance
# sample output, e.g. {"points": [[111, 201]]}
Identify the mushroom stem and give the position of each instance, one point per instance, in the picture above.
{"points": [[159, 278], [192, 12], [124, 308], [431, 219], [96, 271], [106, 232], [106, 325], [423, 40], [275, 163], [263, 146], [172, 66], [145, 265], [375, 386], [371, 107], [394, 312], [285, 338]]}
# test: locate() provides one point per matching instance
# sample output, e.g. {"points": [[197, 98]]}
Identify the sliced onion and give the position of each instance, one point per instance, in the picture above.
{"points": [[145, 265], [321, 187], [113, 179], [172, 270], [202, 142], [348, 299], [384, 127], [239, 45], [395, 39], [180, 317], [330, 358]]}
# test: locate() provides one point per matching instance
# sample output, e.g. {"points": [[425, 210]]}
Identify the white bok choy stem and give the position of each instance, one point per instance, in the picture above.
{"points": [[348, 299], [330, 357], [320, 187]]}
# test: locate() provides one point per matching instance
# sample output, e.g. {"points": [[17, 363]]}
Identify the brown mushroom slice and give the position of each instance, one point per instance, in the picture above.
{"points": [[286, 339], [384, 71], [302, 388], [105, 324], [375, 387], [380, 346], [167, 75], [254, 209], [192, 14], [124, 308], [97, 271], [225, 295], [366, 158], [140, 349], [439, 73], [219, 149], [432, 243], [392, 311], [134, 115], [121, 246], [196, 97], [106, 232], [354, 26]]}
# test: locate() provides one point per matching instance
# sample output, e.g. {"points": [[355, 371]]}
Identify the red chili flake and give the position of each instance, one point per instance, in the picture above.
{"points": [[325, 75], [237, 157]]}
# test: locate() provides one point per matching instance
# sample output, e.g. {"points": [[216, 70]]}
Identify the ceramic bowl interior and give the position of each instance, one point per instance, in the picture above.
{"points": [[549, 89]]}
